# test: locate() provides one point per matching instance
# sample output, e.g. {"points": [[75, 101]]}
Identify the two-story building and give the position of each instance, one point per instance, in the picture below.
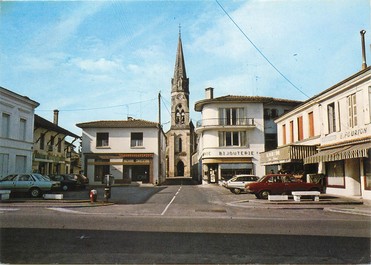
{"points": [[16, 133], [130, 150], [337, 124], [51, 151], [233, 131]]}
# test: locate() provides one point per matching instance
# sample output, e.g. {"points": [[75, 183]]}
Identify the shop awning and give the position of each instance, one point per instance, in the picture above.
{"points": [[287, 154], [339, 153]]}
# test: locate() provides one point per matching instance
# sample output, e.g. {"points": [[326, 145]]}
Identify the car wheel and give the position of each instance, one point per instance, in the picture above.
{"points": [[236, 191], [257, 195], [35, 192], [65, 187], [264, 194]]}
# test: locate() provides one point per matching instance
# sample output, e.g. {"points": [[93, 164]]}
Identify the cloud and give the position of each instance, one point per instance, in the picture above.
{"points": [[101, 65]]}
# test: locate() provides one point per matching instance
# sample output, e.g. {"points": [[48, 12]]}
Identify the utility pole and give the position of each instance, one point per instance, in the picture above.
{"points": [[159, 137]]}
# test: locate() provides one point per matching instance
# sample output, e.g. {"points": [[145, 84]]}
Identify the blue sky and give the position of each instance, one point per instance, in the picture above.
{"points": [[108, 60]]}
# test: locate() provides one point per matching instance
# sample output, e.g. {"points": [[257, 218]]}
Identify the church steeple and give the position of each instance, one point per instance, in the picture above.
{"points": [[180, 80]]}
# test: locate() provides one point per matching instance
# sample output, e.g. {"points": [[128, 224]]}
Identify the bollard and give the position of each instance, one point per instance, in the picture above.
{"points": [[93, 196], [107, 193]]}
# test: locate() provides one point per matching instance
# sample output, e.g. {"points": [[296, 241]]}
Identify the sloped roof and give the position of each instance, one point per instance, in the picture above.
{"points": [[43, 123], [134, 123], [245, 99]]}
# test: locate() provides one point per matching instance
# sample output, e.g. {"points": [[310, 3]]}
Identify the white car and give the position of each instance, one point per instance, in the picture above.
{"points": [[237, 183], [35, 184]]}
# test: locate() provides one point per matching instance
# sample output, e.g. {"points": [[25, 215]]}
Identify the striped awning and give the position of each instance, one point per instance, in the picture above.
{"points": [[340, 153]]}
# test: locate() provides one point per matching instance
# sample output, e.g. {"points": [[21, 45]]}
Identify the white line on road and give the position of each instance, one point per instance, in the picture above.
{"points": [[64, 210], [167, 206], [8, 209]]}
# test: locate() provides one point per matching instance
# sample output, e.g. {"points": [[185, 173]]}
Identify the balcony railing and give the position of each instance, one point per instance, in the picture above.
{"points": [[226, 122]]}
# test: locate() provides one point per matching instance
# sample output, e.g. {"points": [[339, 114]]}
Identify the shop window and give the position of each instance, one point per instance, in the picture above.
{"points": [[352, 110], [367, 170], [335, 174], [136, 139], [331, 120], [102, 139], [101, 169]]}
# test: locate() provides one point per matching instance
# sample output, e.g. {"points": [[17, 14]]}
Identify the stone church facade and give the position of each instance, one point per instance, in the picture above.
{"points": [[180, 137]]}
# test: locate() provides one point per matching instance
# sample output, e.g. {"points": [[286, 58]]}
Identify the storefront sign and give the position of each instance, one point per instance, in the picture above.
{"points": [[354, 133], [229, 153]]}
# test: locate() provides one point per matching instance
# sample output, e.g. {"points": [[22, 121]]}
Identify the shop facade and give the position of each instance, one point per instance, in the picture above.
{"points": [[129, 150], [337, 123], [232, 133]]}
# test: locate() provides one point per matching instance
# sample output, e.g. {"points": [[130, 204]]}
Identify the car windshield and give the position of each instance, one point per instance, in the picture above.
{"points": [[40, 177], [9, 178]]}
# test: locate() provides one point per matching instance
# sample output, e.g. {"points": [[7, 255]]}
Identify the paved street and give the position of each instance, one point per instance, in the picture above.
{"points": [[180, 224]]}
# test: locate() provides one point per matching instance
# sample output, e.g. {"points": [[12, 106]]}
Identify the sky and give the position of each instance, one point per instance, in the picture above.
{"points": [[108, 60]]}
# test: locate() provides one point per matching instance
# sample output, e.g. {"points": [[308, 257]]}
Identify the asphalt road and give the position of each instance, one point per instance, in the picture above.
{"points": [[179, 224]]}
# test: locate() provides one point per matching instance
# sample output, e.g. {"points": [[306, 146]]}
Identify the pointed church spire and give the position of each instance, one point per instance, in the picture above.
{"points": [[180, 75]]}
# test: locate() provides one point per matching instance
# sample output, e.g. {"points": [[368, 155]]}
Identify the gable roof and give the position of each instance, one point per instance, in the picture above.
{"points": [[134, 123], [43, 123], [245, 99]]}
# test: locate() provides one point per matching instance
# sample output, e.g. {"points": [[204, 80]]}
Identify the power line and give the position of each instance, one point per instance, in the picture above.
{"points": [[106, 107], [260, 52]]}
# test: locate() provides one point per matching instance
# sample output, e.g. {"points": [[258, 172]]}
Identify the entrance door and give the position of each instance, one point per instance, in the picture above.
{"points": [[180, 169]]}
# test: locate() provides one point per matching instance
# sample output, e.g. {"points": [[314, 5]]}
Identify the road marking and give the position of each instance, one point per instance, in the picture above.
{"points": [[167, 206], [2, 210], [64, 210]]}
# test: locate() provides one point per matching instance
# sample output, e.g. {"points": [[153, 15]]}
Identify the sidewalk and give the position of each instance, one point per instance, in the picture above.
{"points": [[331, 203]]}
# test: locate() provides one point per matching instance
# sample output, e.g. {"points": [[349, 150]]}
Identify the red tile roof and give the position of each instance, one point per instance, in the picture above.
{"points": [[134, 123]]}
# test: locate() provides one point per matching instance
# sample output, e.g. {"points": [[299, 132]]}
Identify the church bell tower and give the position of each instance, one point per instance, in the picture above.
{"points": [[180, 140]]}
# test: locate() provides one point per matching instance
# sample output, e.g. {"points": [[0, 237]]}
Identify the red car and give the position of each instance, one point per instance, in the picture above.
{"points": [[277, 184]]}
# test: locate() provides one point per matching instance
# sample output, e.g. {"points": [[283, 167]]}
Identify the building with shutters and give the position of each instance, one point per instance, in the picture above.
{"points": [[130, 150], [232, 133], [17, 131]]}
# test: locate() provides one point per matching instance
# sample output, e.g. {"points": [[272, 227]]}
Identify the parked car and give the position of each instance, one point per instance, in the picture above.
{"points": [[35, 184], [68, 182], [277, 184], [82, 179], [237, 183]]}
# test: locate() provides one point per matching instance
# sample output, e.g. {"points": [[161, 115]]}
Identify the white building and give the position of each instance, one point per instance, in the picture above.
{"points": [[130, 150], [337, 125], [232, 133], [16, 134]]}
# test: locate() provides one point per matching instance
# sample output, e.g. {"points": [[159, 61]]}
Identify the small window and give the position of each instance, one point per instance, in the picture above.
{"points": [[331, 118], [300, 128], [5, 125], [311, 124], [42, 141], [102, 139], [22, 129], [136, 139]]}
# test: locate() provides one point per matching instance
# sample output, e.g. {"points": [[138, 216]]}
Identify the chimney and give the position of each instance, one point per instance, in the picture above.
{"points": [[209, 93], [364, 65], [56, 112]]}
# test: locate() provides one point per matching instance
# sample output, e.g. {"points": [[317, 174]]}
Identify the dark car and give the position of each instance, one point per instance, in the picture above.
{"points": [[68, 182], [277, 184]]}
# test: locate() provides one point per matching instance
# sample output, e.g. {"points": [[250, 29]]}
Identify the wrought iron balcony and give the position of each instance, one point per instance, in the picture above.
{"points": [[215, 122]]}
